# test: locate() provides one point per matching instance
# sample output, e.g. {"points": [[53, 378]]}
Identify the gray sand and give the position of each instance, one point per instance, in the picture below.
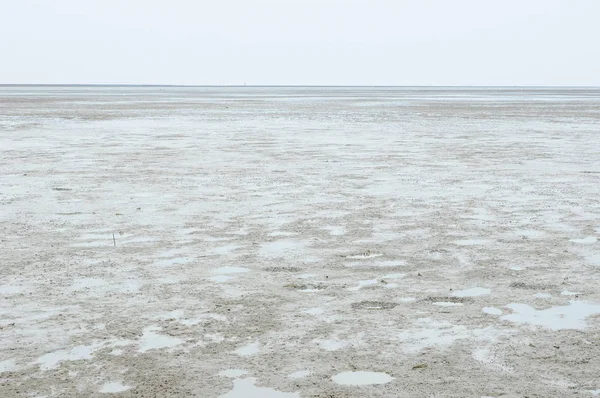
{"points": [[299, 242]]}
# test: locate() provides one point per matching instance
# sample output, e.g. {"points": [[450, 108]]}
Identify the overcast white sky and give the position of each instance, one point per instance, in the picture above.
{"points": [[301, 42]]}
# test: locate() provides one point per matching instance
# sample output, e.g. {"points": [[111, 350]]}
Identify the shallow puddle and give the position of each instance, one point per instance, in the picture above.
{"points": [[335, 230], [280, 248], [307, 276], [8, 365], [585, 241], [427, 332], [492, 310], [7, 290], [470, 242], [314, 311], [408, 299], [233, 373], [113, 388], [245, 388], [281, 233], [225, 249], [593, 259], [248, 350], [361, 378], [88, 283], [447, 304], [366, 255], [154, 341], [381, 264], [52, 360], [362, 284], [568, 293], [394, 276], [556, 318]]}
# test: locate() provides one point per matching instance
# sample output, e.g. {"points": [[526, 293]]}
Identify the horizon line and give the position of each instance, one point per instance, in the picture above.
{"points": [[280, 85]]}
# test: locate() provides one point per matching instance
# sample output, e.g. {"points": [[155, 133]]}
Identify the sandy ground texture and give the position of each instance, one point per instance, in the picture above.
{"points": [[286, 243]]}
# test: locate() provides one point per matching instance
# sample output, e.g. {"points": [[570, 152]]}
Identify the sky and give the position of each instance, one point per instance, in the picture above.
{"points": [[301, 42]]}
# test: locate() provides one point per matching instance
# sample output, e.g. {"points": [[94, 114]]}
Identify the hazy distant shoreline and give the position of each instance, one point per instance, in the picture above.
{"points": [[296, 86]]}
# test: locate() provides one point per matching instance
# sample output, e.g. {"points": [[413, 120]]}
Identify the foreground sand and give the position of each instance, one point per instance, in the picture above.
{"points": [[269, 241]]}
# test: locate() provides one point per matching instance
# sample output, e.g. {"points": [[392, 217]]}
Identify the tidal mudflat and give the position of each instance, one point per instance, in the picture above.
{"points": [[299, 242]]}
